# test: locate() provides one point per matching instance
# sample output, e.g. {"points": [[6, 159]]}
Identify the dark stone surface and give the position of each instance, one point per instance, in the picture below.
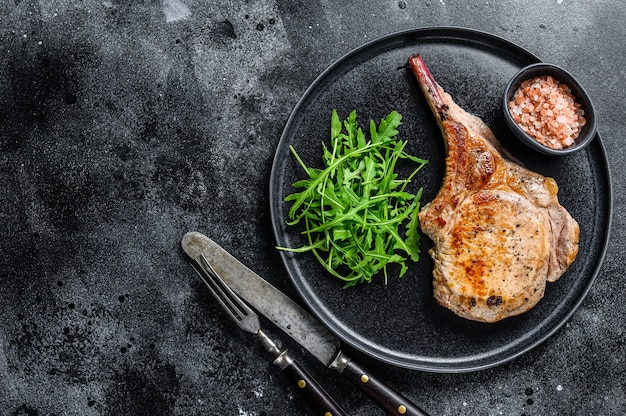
{"points": [[124, 125]]}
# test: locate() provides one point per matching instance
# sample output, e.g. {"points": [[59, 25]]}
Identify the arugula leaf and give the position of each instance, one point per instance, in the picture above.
{"points": [[358, 217]]}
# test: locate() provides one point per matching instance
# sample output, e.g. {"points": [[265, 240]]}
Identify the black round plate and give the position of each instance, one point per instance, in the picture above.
{"points": [[400, 323]]}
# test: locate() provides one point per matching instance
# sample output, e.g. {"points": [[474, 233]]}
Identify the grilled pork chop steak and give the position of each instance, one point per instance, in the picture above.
{"points": [[498, 228]]}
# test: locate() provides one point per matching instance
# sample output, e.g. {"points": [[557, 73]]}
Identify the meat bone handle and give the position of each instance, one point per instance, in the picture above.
{"points": [[387, 398]]}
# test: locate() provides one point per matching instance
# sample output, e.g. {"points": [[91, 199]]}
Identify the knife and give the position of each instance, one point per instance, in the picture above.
{"points": [[246, 319], [296, 322]]}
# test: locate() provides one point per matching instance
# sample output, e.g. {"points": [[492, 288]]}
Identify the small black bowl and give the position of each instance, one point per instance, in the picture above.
{"points": [[588, 131]]}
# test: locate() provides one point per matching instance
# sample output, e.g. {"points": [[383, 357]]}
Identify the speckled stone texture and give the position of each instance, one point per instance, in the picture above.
{"points": [[125, 124]]}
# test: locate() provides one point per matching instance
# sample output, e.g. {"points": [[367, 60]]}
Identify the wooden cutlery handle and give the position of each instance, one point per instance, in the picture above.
{"points": [[387, 398], [319, 400]]}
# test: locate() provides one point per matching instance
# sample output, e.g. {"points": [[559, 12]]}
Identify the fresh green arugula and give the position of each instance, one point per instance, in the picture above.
{"points": [[357, 215]]}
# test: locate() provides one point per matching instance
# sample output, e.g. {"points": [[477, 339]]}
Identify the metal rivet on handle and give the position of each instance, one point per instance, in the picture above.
{"points": [[301, 384], [364, 378], [402, 409]]}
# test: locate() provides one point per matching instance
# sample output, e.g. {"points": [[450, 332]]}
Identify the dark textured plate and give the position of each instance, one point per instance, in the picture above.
{"points": [[400, 323]]}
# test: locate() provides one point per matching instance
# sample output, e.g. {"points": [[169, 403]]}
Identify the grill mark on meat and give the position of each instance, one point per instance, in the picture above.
{"points": [[494, 300]]}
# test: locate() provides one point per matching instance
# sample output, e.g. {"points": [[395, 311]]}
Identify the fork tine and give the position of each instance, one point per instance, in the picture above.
{"points": [[228, 300], [241, 313], [226, 303]]}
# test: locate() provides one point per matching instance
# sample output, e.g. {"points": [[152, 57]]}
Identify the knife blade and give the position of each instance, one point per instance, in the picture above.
{"points": [[296, 322], [245, 318]]}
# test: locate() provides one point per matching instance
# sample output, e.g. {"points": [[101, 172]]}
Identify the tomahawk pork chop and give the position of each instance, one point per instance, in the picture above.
{"points": [[498, 228]]}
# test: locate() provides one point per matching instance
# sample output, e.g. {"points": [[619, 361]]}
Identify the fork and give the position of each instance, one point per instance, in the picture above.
{"points": [[319, 400]]}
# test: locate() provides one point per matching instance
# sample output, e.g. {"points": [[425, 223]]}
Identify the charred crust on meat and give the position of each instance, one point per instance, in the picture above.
{"points": [[461, 135], [494, 300], [442, 110], [484, 197], [477, 228]]}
